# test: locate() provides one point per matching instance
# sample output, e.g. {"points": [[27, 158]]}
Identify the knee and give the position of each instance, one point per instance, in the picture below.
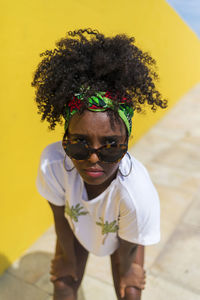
{"points": [[130, 290], [62, 289], [132, 293], [59, 284]]}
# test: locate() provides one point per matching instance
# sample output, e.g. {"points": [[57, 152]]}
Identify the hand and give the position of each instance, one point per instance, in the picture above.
{"points": [[134, 277], [62, 267]]}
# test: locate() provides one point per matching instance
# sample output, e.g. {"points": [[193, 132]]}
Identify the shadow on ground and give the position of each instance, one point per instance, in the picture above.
{"points": [[28, 278]]}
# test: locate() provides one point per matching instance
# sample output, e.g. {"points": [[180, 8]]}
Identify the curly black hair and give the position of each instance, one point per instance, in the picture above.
{"points": [[86, 58]]}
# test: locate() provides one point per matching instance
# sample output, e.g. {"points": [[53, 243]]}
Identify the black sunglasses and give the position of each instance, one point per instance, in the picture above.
{"points": [[109, 153]]}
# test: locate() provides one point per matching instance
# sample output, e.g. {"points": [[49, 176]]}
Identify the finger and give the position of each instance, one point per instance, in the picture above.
{"points": [[143, 285], [139, 286], [122, 291], [53, 278]]}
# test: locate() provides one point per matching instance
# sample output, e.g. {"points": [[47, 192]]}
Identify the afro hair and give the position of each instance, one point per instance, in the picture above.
{"points": [[86, 58]]}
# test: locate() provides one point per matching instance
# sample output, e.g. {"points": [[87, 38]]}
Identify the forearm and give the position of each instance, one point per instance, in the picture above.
{"points": [[126, 255], [130, 260], [135, 293]]}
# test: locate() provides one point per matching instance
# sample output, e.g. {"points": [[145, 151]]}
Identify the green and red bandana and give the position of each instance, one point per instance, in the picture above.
{"points": [[102, 101]]}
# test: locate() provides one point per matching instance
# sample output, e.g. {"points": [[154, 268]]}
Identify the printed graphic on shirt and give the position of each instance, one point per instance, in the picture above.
{"points": [[75, 211], [106, 227]]}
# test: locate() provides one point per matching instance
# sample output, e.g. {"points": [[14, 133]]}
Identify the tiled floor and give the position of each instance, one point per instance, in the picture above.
{"points": [[173, 266]]}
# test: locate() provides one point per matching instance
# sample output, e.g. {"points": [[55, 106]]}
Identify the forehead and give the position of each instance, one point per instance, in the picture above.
{"points": [[97, 123]]}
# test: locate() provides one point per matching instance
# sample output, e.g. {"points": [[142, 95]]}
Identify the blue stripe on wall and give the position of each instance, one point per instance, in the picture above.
{"points": [[189, 10]]}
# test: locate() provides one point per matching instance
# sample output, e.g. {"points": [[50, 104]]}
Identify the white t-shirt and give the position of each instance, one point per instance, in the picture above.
{"points": [[128, 208]]}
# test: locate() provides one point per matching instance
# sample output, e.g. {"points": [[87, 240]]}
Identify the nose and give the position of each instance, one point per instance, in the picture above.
{"points": [[93, 158]]}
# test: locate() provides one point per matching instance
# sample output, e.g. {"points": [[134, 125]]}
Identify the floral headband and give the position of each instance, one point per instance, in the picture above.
{"points": [[102, 101]]}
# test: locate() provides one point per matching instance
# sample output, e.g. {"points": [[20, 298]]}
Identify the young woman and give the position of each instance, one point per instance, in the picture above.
{"points": [[102, 198]]}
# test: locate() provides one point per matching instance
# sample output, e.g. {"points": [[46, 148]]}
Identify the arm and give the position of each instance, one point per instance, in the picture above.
{"points": [[65, 238], [131, 260], [127, 252]]}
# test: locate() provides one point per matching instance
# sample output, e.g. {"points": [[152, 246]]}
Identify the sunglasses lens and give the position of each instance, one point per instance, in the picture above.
{"points": [[80, 151], [77, 151], [112, 154]]}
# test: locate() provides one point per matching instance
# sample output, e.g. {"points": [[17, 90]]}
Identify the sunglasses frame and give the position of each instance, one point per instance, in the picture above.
{"points": [[124, 147]]}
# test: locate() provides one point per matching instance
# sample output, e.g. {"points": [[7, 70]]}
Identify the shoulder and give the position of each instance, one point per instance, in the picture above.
{"points": [[137, 186], [51, 178], [139, 206], [138, 173], [53, 152], [53, 157]]}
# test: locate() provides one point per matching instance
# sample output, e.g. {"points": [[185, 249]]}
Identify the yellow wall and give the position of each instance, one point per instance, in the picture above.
{"points": [[28, 28]]}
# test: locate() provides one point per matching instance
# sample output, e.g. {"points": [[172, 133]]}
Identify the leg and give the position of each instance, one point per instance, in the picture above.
{"points": [[65, 288], [132, 293]]}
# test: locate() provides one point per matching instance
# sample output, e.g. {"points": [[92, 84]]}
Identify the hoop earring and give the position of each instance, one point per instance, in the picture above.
{"points": [[130, 167], [65, 166]]}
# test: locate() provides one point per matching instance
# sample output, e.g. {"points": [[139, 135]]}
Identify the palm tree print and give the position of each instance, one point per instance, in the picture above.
{"points": [[107, 227], [75, 211]]}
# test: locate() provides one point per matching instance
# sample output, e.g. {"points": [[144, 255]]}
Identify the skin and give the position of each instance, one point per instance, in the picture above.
{"points": [[94, 127], [70, 259], [127, 270]]}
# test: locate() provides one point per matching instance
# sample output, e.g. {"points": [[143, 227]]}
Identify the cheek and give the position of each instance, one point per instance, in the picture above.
{"points": [[111, 168], [77, 164]]}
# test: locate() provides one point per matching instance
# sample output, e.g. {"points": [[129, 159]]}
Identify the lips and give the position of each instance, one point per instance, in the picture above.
{"points": [[94, 172]]}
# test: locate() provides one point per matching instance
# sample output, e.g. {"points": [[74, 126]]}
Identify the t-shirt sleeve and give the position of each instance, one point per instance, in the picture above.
{"points": [[49, 180], [139, 220]]}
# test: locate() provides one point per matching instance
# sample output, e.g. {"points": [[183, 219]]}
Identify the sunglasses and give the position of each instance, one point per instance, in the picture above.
{"points": [[109, 153]]}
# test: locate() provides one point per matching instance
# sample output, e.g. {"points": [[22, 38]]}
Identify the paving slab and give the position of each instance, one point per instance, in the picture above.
{"points": [[49, 298], [179, 155], [192, 217], [12, 288], [96, 289], [45, 284], [173, 204], [174, 177], [155, 142], [31, 267], [180, 260], [159, 288], [99, 268]]}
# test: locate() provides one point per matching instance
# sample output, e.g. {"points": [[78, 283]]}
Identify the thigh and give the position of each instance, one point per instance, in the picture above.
{"points": [[131, 292], [81, 257]]}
